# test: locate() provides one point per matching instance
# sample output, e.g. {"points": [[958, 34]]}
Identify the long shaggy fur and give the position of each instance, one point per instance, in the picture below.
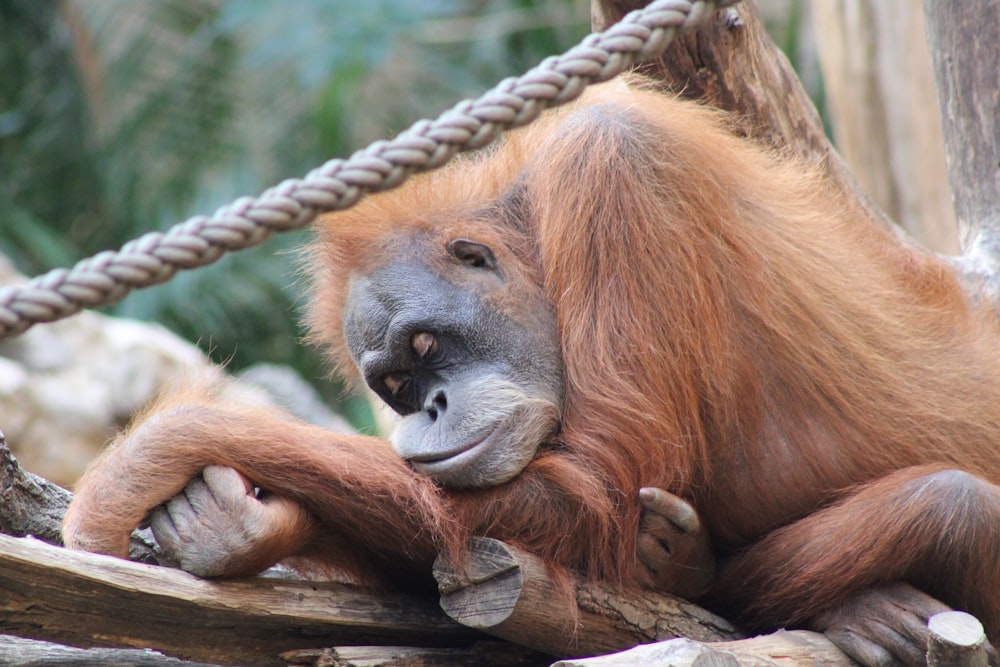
{"points": [[732, 330]]}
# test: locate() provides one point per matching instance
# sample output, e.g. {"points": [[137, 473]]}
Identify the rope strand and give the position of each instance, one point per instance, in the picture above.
{"points": [[339, 184]]}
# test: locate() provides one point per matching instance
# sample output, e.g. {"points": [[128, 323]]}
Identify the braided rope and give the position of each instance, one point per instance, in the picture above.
{"points": [[339, 184]]}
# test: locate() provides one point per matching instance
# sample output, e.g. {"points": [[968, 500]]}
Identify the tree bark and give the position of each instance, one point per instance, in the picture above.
{"points": [[781, 649], [87, 600], [18, 652], [964, 40], [733, 64], [956, 640], [508, 593], [31, 505], [480, 654]]}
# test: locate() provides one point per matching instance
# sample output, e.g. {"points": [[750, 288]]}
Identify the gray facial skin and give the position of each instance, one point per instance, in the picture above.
{"points": [[478, 388]]}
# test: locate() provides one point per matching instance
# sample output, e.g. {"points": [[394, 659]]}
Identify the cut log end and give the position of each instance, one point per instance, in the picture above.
{"points": [[484, 592], [956, 639], [511, 594]]}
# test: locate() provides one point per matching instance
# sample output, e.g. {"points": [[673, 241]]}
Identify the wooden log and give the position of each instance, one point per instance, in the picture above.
{"points": [[480, 654], [87, 600], [19, 652], [29, 505], [32, 505], [509, 594], [956, 639], [782, 649]]}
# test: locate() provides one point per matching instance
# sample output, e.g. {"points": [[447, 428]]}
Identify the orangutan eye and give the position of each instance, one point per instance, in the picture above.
{"points": [[478, 255], [425, 345], [396, 383]]}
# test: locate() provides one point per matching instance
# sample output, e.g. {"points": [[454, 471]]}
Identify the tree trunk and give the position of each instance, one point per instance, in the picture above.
{"points": [[880, 97], [733, 64], [964, 40]]}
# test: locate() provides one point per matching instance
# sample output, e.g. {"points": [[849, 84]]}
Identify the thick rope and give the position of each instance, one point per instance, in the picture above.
{"points": [[339, 184]]}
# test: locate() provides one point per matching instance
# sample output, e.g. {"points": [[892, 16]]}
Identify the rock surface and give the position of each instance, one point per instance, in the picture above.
{"points": [[67, 387]]}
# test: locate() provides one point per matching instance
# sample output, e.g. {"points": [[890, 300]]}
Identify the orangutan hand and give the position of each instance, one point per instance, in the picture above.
{"points": [[673, 545]]}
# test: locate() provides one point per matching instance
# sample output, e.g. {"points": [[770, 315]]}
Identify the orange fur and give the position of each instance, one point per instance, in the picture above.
{"points": [[732, 330]]}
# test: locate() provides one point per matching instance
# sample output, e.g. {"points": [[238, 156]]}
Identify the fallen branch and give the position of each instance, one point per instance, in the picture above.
{"points": [[781, 649], [957, 640], [480, 654], [508, 593], [18, 652], [86, 600], [33, 506]]}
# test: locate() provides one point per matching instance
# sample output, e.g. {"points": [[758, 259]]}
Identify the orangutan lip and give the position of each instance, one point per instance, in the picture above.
{"points": [[451, 457]]}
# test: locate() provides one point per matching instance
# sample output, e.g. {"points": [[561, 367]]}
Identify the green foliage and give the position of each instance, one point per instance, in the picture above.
{"points": [[125, 116]]}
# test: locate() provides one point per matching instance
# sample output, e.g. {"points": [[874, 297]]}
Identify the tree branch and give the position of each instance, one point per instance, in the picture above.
{"points": [[32, 505], [86, 600], [18, 652], [957, 640], [508, 593], [781, 649]]}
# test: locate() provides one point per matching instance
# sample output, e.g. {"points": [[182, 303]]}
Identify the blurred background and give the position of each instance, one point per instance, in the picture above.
{"points": [[119, 117]]}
